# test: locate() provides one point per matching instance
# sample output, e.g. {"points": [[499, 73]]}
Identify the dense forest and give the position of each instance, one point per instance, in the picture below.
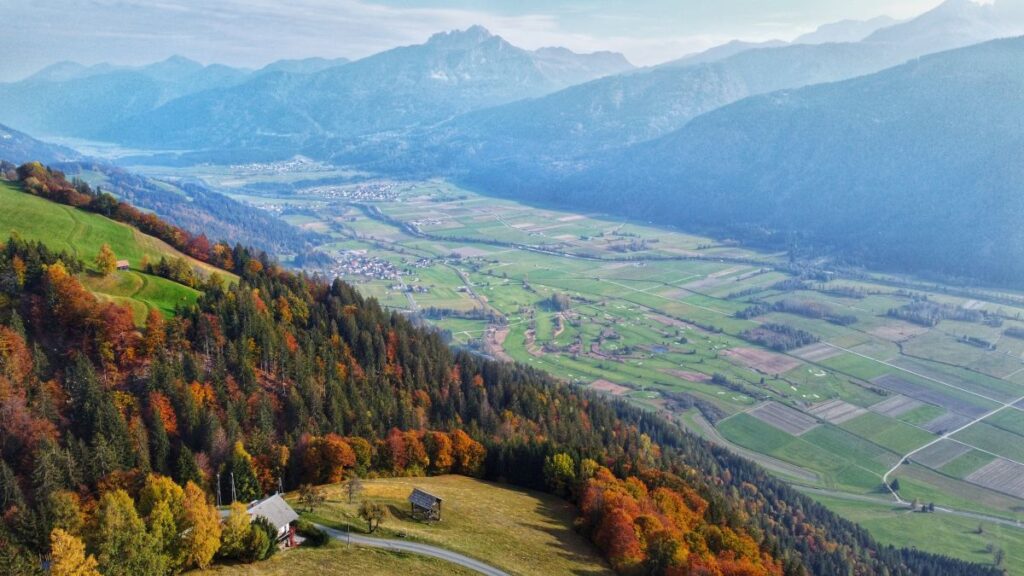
{"points": [[112, 435]]}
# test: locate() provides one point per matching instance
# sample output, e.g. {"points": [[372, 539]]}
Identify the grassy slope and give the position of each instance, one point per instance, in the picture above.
{"points": [[82, 233], [336, 559], [519, 531]]}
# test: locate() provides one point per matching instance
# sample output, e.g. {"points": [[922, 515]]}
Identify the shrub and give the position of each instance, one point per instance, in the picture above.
{"points": [[314, 536]]}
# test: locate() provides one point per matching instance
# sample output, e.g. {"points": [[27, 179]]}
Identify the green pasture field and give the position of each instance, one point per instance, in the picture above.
{"points": [[936, 532], [888, 432], [964, 465], [82, 234]]}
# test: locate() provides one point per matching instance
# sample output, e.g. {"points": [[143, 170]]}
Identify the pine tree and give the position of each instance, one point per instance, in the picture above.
{"points": [[187, 469], [10, 491], [159, 445], [247, 486]]}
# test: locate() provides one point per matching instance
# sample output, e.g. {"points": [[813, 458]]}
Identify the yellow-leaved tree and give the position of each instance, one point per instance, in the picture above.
{"points": [[106, 261], [202, 536], [68, 556]]}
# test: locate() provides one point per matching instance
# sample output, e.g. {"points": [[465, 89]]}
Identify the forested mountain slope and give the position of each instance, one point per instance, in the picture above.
{"points": [[18, 147], [915, 168], [282, 376]]}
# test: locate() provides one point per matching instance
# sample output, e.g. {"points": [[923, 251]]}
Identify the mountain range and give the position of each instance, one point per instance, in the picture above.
{"points": [[452, 73], [73, 100], [557, 132], [182, 104], [914, 168], [718, 130]]}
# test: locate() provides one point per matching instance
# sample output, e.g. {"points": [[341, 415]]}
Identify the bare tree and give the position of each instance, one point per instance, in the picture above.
{"points": [[311, 496], [354, 488], [373, 513]]}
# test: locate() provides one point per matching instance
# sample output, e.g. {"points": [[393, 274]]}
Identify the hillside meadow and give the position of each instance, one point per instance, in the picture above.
{"points": [[519, 531], [82, 234]]}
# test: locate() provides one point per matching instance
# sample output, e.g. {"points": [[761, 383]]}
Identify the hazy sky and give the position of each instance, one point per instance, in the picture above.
{"points": [[254, 32]]}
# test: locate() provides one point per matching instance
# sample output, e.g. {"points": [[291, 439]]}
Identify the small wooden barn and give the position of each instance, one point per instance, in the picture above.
{"points": [[425, 506], [123, 265]]}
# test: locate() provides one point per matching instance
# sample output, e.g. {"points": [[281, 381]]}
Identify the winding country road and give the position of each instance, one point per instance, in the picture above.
{"points": [[413, 548]]}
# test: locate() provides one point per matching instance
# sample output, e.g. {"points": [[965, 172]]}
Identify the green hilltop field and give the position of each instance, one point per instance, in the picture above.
{"points": [[82, 234]]}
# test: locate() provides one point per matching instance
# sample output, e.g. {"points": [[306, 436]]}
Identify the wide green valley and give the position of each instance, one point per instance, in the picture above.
{"points": [[899, 379]]}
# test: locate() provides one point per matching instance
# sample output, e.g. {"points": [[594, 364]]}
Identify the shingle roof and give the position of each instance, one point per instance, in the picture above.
{"points": [[274, 509], [423, 499]]}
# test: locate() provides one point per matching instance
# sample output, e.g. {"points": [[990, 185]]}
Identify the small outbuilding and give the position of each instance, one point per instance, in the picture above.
{"points": [[425, 506], [123, 265]]}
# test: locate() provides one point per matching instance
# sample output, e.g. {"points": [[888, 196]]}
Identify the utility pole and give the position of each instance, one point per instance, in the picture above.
{"points": [[219, 502]]}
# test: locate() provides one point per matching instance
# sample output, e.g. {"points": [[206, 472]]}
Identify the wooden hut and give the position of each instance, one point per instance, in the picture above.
{"points": [[425, 506]]}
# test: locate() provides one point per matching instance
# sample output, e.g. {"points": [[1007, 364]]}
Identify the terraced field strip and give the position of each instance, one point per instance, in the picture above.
{"points": [[784, 418], [964, 465], [1001, 475], [896, 406], [986, 384], [933, 396], [816, 352], [941, 453], [836, 411], [762, 360], [949, 421]]}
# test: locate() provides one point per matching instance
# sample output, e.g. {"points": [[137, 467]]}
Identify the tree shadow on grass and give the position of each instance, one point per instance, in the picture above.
{"points": [[568, 543]]}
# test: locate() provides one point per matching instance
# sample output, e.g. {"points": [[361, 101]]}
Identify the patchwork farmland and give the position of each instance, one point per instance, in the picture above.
{"points": [[939, 454], [836, 411], [841, 395], [1001, 474], [896, 406], [784, 418]]}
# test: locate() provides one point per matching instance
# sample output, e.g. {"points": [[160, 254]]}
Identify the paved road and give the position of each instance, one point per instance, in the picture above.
{"points": [[414, 548]]}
